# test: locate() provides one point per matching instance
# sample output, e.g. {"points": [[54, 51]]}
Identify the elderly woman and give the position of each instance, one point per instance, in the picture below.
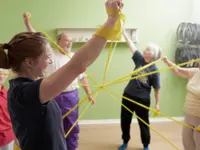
{"points": [[191, 138], [139, 90]]}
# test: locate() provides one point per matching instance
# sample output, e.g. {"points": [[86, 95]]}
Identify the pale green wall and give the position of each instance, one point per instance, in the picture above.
{"points": [[157, 21]]}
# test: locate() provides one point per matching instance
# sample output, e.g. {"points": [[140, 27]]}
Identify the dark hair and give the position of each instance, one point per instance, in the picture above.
{"points": [[23, 45]]}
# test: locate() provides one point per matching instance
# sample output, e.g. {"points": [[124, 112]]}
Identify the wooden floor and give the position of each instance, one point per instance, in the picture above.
{"points": [[108, 137]]}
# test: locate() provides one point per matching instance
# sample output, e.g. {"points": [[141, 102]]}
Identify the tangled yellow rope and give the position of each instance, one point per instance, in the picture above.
{"points": [[104, 86]]}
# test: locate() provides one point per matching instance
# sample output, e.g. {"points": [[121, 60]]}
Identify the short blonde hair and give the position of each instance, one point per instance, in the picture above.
{"points": [[155, 49]]}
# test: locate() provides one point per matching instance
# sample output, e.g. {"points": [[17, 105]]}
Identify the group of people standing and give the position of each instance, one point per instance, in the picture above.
{"points": [[31, 114]]}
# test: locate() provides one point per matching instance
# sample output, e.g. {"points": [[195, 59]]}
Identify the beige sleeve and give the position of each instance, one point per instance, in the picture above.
{"points": [[193, 71]]}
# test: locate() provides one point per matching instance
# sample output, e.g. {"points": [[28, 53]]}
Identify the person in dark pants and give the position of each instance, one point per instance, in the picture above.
{"points": [[139, 90]]}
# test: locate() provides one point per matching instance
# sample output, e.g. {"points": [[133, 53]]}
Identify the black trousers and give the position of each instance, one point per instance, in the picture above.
{"points": [[126, 118]]}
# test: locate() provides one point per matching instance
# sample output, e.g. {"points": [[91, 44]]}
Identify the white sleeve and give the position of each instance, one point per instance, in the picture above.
{"points": [[82, 75]]}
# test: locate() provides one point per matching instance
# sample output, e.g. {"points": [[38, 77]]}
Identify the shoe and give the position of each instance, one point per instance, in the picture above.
{"points": [[146, 148], [123, 147]]}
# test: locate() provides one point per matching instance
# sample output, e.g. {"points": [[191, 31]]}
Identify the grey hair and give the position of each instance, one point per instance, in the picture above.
{"points": [[60, 35], [155, 49]]}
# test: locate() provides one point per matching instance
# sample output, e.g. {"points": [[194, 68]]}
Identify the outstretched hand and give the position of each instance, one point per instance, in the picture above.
{"points": [[115, 5], [27, 16], [157, 108], [164, 59], [92, 100]]}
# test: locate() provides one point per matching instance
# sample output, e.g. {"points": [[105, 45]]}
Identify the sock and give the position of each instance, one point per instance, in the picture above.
{"points": [[123, 146], [146, 148]]}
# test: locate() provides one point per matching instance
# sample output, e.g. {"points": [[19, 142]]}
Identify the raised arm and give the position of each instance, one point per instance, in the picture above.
{"points": [[131, 44], [27, 22], [182, 72], [86, 55], [29, 28]]}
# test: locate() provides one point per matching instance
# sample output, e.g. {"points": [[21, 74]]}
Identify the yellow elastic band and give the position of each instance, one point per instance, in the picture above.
{"points": [[79, 103], [197, 129], [160, 70], [82, 113], [107, 62], [114, 33], [140, 119], [132, 73], [112, 12], [16, 147], [153, 110], [156, 132], [156, 113]]}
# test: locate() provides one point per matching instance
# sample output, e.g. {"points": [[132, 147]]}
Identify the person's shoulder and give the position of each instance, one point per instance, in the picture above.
{"points": [[15, 83], [137, 52], [20, 80], [15, 87], [23, 90]]}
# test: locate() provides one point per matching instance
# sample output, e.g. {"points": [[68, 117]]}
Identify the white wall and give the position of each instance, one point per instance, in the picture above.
{"points": [[196, 11]]}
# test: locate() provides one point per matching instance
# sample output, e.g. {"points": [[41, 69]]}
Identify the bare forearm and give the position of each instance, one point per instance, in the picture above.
{"points": [[178, 70], [90, 51], [29, 26], [157, 96], [130, 43], [86, 88], [174, 70]]}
